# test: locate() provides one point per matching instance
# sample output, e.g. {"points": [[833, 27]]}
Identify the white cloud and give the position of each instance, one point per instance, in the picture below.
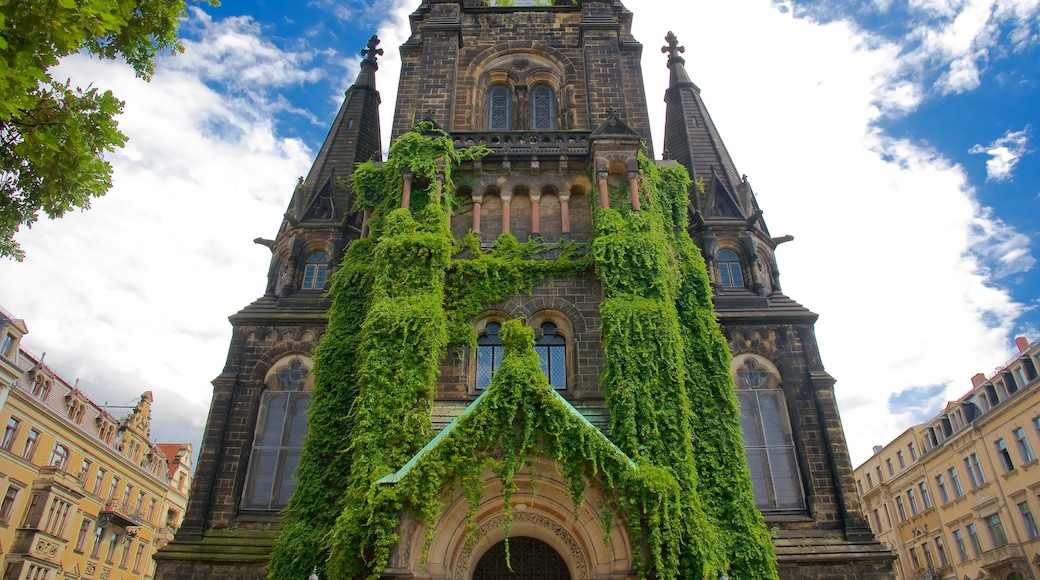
{"points": [[1004, 153]]}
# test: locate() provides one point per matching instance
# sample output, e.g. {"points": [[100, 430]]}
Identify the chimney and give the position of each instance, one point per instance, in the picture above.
{"points": [[1022, 343], [978, 379], [877, 449]]}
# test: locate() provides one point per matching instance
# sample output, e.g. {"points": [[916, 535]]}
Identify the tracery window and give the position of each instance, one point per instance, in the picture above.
{"points": [[316, 270], [543, 108], [730, 275], [552, 349], [280, 430], [489, 354], [767, 439], [500, 104]]}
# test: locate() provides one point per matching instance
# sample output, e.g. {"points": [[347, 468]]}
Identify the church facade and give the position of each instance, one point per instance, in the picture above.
{"points": [[555, 93]]}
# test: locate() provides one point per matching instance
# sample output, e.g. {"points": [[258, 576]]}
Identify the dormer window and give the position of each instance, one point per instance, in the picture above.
{"points": [[500, 105]]}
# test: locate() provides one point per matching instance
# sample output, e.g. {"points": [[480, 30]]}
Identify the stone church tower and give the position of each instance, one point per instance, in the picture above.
{"points": [[556, 93]]}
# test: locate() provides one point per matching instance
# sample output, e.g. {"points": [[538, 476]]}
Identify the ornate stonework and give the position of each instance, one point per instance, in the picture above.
{"points": [[574, 552]]}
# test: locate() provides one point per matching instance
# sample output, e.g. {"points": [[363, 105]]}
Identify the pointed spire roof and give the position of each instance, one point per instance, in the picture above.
{"points": [[691, 137], [353, 138]]}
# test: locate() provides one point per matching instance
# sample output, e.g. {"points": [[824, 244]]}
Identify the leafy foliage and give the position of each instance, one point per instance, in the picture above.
{"points": [[53, 136], [673, 471]]}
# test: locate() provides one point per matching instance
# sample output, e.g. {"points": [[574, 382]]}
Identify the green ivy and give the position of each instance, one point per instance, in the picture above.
{"points": [[674, 470]]}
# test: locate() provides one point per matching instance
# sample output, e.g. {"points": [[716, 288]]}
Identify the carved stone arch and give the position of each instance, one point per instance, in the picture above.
{"points": [[544, 512]]}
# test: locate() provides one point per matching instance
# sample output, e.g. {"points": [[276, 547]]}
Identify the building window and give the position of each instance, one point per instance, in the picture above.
{"points": [[900, 508], [768, 440], [543, 108], [489, 354], [7, 507], [891, 470], [97, 481], [59, 457], [84, 469], [279, 436], [1028, 521], [940, 550], [113, 542], [870, 482], [1023, 445], [137, 558], [927, 556], [57, 513], [9, 432], [944, 493], [316, 270], [1005, 455], [36, 572], [877, 521], [962, 550], [7, 346], [99, 533], [84, 533], [41, 387], [913, 452], [113, 487], [976, 544], [923, 488], [996, 531], [974, 468], [880, 479], [30, 444], [125, 557], [955, 480], [500, 104], [552, 350], [910, 495], [914, 559], [730, 273], [902, 460]]}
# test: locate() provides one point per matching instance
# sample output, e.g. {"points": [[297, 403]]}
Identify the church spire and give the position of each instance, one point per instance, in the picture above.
{"points": [[354, 138], [692, 139]]}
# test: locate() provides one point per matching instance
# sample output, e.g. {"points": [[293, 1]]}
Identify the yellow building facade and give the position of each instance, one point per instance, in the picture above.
{"points": [[958, 497], [86, 494]]}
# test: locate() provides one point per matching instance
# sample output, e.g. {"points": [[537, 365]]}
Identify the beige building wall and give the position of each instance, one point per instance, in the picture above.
{"points": [[977, 463], [85, 494]]}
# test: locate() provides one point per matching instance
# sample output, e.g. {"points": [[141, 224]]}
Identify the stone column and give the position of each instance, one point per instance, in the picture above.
{"points": [[536, 202], [477, 199], [604, 191], [506, 198], [633, 185], [406, 197], [565, 212]]}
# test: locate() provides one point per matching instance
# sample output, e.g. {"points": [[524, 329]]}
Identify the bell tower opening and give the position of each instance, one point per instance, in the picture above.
{"points": [[531, 559]]}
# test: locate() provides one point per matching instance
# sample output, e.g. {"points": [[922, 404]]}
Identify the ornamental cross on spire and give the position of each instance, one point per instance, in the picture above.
{"points": [[673, 49], [372, 52]]}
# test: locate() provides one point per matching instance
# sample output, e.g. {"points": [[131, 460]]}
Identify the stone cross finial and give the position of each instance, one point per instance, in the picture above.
{"points": [[673, 49], [371, 52]]}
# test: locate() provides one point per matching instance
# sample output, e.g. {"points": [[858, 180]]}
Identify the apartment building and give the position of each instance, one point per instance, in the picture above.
{"points": [[958, 496], [86, 494]]}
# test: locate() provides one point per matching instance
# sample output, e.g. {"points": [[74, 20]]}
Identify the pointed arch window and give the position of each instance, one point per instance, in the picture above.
{"points": [[489, 354], [730, 274], [500, 105], [543, 108], [768, 440], [552, 350], [316, 270], [280, 430]]}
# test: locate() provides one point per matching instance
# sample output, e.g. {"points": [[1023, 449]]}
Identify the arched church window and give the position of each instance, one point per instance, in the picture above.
{"points": [[500, 104], [543, 108], [552, 349], [316, 270], [489, 354], [730, 275], [280, 430], [767, 439]]}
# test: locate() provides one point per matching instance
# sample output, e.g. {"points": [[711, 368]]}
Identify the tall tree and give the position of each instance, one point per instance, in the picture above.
{"points": [[53, 136]]}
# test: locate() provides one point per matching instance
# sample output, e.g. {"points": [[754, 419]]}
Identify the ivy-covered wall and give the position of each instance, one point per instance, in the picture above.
{"points": [[674, 464]]}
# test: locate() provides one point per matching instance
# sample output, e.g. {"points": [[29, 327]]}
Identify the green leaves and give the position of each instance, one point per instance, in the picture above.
{"points": [[53, 136]]}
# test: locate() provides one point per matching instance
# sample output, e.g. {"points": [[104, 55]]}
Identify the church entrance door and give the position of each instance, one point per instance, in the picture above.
{"points": [[531, 559]]}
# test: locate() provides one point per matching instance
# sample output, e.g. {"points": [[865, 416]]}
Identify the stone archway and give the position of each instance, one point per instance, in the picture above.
{"points": [[529, 559]]}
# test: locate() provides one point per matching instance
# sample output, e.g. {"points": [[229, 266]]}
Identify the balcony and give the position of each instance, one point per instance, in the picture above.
{"points": [[527, 142], [1003, 555], [119, 513]]}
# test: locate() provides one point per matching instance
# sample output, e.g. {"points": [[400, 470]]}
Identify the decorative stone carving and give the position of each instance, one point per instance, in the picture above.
{"points": [[575, 553], [46, 549]]}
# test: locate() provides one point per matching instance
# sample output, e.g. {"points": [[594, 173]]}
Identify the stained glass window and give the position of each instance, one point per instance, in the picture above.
{"points": [[768, 440], [552, 349], [499, 108], [489, 354], [543, 108]]}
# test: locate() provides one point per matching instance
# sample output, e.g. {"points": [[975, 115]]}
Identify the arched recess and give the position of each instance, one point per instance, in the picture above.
{"points": [[544, 513]]}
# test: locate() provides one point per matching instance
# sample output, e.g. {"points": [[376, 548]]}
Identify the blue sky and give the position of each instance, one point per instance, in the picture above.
{"points": [[896, 140]]}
